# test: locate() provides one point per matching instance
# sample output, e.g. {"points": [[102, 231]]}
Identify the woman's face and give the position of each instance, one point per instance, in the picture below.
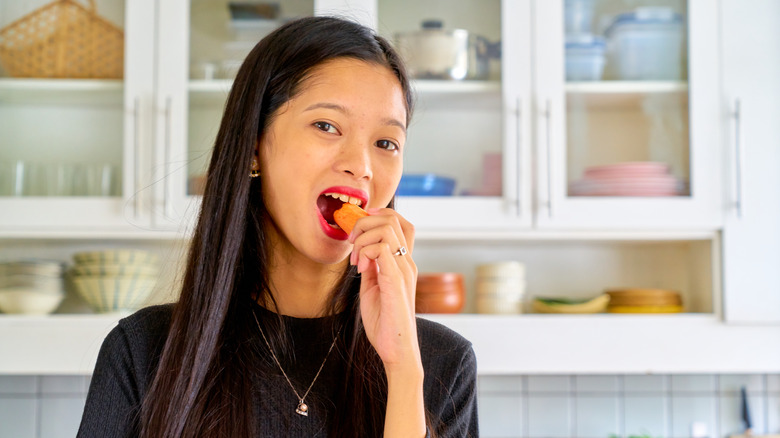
{"points": [[340, 139]]}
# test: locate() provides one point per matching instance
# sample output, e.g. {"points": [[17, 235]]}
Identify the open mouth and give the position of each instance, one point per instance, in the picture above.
{"points": [[330, 202]]}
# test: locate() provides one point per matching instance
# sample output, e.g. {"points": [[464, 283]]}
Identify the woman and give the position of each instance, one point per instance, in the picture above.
{"points": [[286, 325]]}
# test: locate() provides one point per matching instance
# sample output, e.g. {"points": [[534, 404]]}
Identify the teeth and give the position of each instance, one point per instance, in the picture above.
{"points": [[345, 198]]}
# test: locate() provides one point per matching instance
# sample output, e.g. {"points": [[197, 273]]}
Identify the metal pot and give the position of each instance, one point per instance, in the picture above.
{"points": [[435, 53]]}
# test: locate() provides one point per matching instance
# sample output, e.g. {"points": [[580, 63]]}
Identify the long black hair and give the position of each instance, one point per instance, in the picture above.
{"points": [[200, 387]]}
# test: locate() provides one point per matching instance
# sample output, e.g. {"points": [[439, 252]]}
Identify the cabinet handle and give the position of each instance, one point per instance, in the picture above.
{"points": [[548, 152], [166, 156], [739, 165], [518, 161], [136, 156]]}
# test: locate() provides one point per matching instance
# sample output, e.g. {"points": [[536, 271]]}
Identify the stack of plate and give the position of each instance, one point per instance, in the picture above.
{"points": [[31, 287], [644, 301], [628, 179], [114, 280]]}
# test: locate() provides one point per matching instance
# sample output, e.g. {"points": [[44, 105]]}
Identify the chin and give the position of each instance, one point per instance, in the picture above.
{"points": [[331, 256]]}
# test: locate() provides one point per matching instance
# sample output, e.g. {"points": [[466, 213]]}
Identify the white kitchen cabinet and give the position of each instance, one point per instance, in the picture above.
{"points": [[750, 110], [626, 115], [76, 153], [169, 119]]}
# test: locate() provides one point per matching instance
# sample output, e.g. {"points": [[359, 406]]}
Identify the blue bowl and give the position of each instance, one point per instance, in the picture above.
{"points": [[425, 185]]}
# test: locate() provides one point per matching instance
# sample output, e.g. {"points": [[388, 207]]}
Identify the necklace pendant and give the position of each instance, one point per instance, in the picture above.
{"points": [[302, 409]]}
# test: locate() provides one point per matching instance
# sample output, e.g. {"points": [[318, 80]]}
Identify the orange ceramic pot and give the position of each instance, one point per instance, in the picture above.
{"points": [[440, 293]]}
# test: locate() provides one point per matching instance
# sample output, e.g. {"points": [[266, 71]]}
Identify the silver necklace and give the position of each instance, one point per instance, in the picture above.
{"points": [[302, 408]]}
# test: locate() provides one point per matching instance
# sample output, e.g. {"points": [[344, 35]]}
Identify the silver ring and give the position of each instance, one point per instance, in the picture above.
{"points": [[401, 251]]}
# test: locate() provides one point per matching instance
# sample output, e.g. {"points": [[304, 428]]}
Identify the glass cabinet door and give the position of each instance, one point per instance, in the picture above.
{"points": [[455, 166], [207, 40], [66, 154], [460, 165], [626, 132]]}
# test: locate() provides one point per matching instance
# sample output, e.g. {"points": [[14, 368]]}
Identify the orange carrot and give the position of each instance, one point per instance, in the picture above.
{"points": [[347, 215]]}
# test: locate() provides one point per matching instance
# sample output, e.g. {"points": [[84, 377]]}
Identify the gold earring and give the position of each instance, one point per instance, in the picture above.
{"points": [[254, 172]]}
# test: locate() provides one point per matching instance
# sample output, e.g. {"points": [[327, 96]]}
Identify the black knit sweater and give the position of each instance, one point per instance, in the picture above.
{"points": [[129, 355]]}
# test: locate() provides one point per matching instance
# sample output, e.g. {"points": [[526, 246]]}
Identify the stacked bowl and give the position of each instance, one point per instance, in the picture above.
{"points": [[114, 280], [500, 287], [33, 287], [440, 293]]}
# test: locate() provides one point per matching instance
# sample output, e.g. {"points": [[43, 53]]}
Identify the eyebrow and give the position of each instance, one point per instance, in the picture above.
{"points": [[340, 108]]}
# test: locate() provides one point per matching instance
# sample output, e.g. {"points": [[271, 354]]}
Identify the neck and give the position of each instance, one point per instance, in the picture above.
{"points": [[302, 288]]}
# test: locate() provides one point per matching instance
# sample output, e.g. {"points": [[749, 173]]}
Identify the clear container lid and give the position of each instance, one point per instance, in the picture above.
{"points": [[646, 16], [585, 41]]}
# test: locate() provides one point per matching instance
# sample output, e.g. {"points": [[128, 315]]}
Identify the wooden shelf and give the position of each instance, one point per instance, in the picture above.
{"points": [[517, 344], [58, 91]]}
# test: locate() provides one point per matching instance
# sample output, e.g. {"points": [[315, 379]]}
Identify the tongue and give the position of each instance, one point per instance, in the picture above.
{"points": [[327, 205]]}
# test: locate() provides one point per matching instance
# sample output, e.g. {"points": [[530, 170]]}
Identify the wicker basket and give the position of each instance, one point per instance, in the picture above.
{"points": [[62, 39]]}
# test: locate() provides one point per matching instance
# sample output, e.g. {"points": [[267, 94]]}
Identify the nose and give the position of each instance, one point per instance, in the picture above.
{"points": [[355, 159]]}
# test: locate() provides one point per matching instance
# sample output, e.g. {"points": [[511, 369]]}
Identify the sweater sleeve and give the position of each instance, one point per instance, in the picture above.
{"points": [[113, 399], [450, 382], [459, 414]]}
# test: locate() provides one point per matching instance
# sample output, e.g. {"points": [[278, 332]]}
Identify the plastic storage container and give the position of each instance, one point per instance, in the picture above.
{"points": [[585, 58], [647, 44], [578, 16]]}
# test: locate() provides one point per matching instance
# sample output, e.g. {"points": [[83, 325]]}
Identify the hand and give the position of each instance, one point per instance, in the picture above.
{"points": [[387, 287]]}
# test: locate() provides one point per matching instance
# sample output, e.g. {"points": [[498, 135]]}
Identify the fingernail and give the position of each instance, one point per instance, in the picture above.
{"points": [[373, 210]]}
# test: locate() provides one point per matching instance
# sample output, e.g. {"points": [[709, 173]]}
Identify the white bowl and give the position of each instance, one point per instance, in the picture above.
{"points": [[35, 282], [114, 293], [29, 302], [126, 256], [113, 269], [32, 267]]}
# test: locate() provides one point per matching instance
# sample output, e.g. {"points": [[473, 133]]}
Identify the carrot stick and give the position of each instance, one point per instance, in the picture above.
{"points": [[347, 215]]}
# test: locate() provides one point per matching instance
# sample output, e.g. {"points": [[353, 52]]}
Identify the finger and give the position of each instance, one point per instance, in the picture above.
{"points": [[382, 233], [404, 228], [400, 278]]}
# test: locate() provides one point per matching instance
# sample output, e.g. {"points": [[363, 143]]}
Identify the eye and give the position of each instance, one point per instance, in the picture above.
{"points": [[387, 145], [326, 127]]}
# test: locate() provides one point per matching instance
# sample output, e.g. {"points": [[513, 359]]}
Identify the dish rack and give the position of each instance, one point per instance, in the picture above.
{"points": [[62, 39]]}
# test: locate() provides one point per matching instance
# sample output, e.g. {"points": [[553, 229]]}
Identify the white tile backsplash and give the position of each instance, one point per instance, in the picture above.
{"points": [[60, 416], [685, 383], [541, 384], [773, 413], [731, 383], [596, 384], [501, 384], [687, 410], [18, 417], [18, 385], [596, 417], [500, 415], [549, 416], [62, 384], [634, 384], [555, 406], [773, 383], [646, 415]]}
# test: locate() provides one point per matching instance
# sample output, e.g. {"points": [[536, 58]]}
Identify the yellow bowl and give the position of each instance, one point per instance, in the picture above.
{"points": [[114, 293]]}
